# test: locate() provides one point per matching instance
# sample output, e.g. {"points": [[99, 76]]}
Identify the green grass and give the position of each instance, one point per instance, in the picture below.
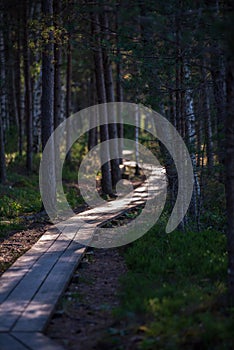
{"points": [[17, 201], [21, 193], [10, 226], [176, 286], [20, 196]]}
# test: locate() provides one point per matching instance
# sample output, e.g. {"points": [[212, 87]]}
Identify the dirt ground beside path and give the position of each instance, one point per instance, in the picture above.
{"points": [[16, 244], [84, 314]]}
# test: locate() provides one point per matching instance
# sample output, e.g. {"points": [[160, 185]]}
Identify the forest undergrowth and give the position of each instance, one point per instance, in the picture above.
{"points": [[174, 294]]}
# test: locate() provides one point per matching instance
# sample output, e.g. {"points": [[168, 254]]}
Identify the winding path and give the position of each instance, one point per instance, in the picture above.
{"points": [[32, 286]]}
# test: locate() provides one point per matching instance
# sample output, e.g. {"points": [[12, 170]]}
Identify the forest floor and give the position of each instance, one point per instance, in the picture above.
{"points": [[16, 243], [84, 318]]}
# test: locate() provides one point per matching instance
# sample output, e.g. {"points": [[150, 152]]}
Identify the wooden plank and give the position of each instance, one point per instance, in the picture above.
{"points": [[39, 310], [11, 309], [29, 284], [36, 341], [7, 342], [85, 234], [10, 278]]}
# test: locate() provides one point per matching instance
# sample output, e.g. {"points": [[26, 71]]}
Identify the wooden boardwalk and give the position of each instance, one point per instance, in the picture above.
{"points": [[32, 286]]}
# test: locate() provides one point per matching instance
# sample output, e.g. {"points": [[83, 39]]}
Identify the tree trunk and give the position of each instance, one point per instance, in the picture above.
{"points": [[101, 95], [2, 155], [199, 125], [28, 91], [137, 170], [109, 85], [217, 72], [119, 92], [57, 81], [93, 132], [37, 112], [178, 77], [18, 88], [57, 69], [2, 106], [15, 118], [68, 93], [47, 104], [230, 177], [191, 132], [207, 119], [3, 78], [173, 178]]}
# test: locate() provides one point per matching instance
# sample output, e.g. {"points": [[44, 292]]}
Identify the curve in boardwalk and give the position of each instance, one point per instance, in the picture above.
{"points": [[31, 287]]}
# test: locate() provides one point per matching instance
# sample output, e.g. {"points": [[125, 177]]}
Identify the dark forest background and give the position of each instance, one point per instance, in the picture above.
{"points": [[176, 57]]}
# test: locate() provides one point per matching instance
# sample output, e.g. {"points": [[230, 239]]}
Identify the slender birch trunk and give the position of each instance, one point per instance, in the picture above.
{"points": [[207, 119], [37, 112], [191, 133]]}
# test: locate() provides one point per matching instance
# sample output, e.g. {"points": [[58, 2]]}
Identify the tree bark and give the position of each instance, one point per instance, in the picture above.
{"points": [[2, 106], [191, 132], [119, 91], [68, 92], [57, 68], [230, 177], [207, 119], [28, 91], [218, 77], [2, 155], [3, 102], [47, 78], [93, 131], [57, 80], [109, 85], [137, 170], [101, 95], [173, 178], [47, 104], [37, 112], [19, 89], [15, 119]]}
